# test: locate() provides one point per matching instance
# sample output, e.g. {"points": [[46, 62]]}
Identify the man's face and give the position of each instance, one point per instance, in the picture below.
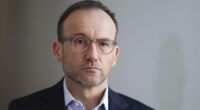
{"points": [[88, 68]]}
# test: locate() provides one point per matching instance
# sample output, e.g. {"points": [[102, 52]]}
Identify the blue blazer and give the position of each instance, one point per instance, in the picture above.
{"points": [[53, 99]]}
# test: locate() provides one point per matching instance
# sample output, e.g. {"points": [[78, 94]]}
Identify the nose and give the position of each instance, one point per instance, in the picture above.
{"points": [[92, 54]]}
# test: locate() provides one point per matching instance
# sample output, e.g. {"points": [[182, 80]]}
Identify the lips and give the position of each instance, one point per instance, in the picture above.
{"points": [[91, 69]]}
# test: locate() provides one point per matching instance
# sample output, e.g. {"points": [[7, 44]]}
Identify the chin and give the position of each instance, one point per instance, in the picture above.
{"points": [[92, 82]]}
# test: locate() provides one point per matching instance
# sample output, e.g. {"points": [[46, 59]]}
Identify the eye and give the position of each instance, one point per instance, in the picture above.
{"points": [[104, 44], [81, 41]]}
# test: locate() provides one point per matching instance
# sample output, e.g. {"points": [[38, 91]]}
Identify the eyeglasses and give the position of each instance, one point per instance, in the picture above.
{"points": [[81, 44]]}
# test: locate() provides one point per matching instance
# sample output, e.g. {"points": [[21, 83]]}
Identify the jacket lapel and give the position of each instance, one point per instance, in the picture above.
{"points": [[116, 102], [54, 99]]}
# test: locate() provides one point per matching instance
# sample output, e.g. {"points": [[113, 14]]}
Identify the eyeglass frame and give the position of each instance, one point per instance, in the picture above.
{"points": [[113, 42]]}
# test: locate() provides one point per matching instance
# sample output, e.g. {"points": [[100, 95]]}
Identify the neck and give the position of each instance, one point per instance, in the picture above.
{"points": [[89, 96]]}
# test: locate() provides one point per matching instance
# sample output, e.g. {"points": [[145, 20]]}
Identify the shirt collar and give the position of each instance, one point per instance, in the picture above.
{"points": [[68, 97]]}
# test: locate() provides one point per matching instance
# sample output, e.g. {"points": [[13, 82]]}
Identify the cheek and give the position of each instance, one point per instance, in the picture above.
{"points": [[71, 60], [108, 62]]}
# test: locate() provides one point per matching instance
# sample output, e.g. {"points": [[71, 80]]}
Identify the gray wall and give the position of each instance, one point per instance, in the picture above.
{"points": [[159, 40]]}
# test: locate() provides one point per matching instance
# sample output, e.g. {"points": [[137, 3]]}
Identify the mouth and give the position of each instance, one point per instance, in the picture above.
{"points": [[91, 69]]}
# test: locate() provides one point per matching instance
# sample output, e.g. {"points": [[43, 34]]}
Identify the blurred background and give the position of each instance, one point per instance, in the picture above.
{"points": [[159, 63]]}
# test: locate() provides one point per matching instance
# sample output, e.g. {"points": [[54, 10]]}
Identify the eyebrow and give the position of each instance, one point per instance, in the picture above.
{"points": [[99, 39], [104, 39], [81, 34]]}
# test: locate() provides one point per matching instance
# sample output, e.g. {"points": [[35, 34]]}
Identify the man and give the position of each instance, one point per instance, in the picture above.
{"points": [[87, 49]]}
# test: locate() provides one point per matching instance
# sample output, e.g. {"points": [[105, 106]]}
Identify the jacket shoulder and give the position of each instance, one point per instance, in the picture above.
{"points": [[28, 101], [35, 100], [134, 104]]}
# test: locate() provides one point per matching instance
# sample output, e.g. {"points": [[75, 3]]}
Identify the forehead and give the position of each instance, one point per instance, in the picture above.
{"points": [[92, 22]]}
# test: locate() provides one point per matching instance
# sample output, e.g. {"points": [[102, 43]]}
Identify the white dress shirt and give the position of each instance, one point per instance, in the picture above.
{"points": [[72, 104]]}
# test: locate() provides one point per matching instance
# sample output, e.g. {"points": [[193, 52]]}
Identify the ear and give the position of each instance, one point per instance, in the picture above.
{"points": [[57, 50], [116, 55]]}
